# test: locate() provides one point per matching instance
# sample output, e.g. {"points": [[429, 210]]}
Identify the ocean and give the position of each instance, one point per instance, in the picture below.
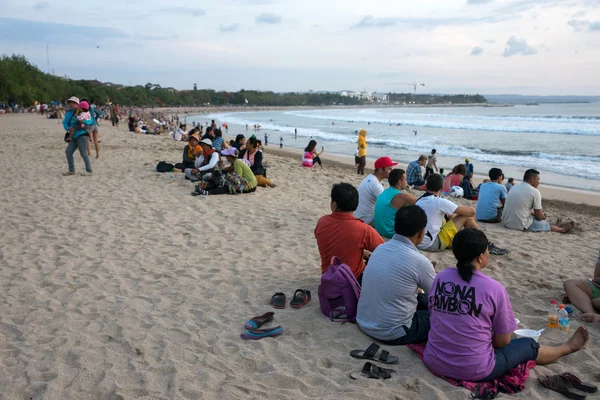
{"points": [[562, 141]]}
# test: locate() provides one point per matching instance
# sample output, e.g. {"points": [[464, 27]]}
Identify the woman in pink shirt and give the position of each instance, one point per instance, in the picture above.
{"points": [[472, 321], [454, 178]]}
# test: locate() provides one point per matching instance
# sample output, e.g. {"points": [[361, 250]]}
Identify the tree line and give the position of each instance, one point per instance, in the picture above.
{"points": [[23, 83]]}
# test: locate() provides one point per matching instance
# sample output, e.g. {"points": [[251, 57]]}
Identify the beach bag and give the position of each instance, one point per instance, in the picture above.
{"points": [[237, 184], [339, 292], [164, 166]]}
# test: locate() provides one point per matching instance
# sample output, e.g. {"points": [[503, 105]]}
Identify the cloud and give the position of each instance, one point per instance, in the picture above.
{"points": [[516, 46], [20, 30], [40, 5], [490, 41], [476, 51], [268, 18], [229, 28], [188, 11], [579, 25], [478, 1], [371, 22]]}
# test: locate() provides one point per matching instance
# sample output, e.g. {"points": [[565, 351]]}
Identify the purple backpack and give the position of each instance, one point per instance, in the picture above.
{"points": [[339, 292]]}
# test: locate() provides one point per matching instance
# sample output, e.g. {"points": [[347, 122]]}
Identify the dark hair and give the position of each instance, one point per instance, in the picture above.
{"points": [[435, 183], [459, 169], [529, 174], [217, 133], [511, 180], [345, 196], [253, 141], [395, 176], [495, 173], [410, 220], [311, 146], [441, 170], [231, 142], [467, 245], [422, 157], [433, 151], [239, 138]]}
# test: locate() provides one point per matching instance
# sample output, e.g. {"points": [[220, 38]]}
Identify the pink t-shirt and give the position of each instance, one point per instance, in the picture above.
{"points": [[464, 316], [449, 181]]}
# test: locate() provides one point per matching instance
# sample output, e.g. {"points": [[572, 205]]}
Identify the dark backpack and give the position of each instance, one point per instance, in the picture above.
{"points": [[164, 166], [339, 292]]}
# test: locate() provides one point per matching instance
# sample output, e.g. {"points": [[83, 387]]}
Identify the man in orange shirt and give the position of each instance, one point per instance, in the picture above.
{"points": [[340, 234]]}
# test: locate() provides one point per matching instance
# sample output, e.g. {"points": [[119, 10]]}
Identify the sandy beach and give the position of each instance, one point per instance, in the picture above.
{"points": [[123, 286]]}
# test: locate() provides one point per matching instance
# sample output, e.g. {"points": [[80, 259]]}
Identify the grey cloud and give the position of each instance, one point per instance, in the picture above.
{"points": [[194, 12], [476, 51], [490, 41], [229, 28], [516, 46], [371, 22], [40, 5], [584, 25], [268, 18], [594, 26], [478, 1]]}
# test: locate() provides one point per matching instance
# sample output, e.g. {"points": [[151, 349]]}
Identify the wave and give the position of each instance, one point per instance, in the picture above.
{"points": [[593, 130]]}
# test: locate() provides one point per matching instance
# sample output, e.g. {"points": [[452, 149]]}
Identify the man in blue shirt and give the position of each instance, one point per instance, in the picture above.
{"points": [[492, 195], [414, 175]]}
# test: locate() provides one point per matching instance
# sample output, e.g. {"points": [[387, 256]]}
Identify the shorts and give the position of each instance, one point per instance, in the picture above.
{"points": [[595, 290], [517, 352], [539, 226]]}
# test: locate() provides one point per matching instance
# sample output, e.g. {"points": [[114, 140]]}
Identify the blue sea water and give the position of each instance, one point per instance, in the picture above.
{"points": [[560, 140]]}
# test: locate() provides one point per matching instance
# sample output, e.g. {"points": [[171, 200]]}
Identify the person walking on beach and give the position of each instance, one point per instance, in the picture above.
{"points": [[79, 138], [469, 168], [362, 152], [431, 165], [266, 139], [114, 117]]}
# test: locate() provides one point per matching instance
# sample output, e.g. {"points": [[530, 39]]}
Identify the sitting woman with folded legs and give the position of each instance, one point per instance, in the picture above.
{"points": [[241, 180], [204, 164], [472, 321], [191, 151], [254, 157]]}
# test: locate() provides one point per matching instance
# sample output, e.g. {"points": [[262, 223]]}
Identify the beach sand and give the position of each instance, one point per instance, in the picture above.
{"points": [[122, 285]]}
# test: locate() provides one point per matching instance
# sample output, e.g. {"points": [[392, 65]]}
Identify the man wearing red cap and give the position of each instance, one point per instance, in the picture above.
{"points": [[371, 187]]}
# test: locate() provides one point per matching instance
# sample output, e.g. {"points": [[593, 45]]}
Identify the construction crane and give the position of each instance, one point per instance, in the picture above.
{"points": [[413, 84]]}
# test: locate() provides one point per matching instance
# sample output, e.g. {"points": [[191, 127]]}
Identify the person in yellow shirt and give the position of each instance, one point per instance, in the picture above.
{"points": [[362, 152]]}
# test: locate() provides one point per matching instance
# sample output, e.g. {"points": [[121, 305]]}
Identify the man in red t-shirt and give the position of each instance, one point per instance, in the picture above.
{"points": [[340, 234]]}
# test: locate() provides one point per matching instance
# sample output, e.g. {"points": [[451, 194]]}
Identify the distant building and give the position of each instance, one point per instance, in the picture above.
{"points": [[195, 87]]}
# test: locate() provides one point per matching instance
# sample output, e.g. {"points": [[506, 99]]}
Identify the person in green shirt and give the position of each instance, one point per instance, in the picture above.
{"points": [[242, 180], [390, 201]]}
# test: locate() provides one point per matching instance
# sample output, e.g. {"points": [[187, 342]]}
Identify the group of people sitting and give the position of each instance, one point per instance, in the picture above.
{"points": [[464, 316]]}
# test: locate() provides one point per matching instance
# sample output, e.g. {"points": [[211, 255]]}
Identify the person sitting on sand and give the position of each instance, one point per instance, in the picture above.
{"points": [[492, 196], [454, 178], [254, 158], [390, 201], [390, 309], [180, 134], [241, 181], [191, 152], [311, 157], [509, 184], [218, 141], [370, 188], [362, 152], [472, 321], [523, 207], [440, 233], [204, 164], [585, 294], [340, 234], [240, 142], [414, 177]]}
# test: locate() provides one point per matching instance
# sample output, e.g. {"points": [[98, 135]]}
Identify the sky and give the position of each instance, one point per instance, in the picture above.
{"points": [[532, 47]]}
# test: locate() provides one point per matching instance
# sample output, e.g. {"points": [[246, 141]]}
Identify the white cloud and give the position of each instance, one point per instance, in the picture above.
{"points": [[371, 22], [189, 11], [476, 51], [478, 1], [268, 18], [229, 28], [516, 46]]}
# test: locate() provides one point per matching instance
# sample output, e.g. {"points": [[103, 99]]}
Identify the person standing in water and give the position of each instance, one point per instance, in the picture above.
{"points": [[362, 152]]}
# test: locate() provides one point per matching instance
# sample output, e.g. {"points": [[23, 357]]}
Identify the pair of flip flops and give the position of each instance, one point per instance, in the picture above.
{"points": [[301, 298], [253, 324], [568, 385], [370, 370]]}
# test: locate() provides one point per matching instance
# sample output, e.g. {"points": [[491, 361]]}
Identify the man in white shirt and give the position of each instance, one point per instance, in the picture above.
{"points": [[439, 233], [431, 166], [523, 207], [370, 188]]}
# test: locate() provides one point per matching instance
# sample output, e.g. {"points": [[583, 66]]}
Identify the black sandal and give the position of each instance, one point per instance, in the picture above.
{"points": [[372, 371], [577, 384], [562, 386], [369, 354]]}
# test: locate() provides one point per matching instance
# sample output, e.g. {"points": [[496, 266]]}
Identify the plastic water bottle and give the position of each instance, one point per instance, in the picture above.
{"points": [[563, 318], [553, 315]]}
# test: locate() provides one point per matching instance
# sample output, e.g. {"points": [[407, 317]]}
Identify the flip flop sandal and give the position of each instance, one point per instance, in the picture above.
{"points": [[257, 322], [369, 354], [561, 386], [278, 300], [301, 298], [258, 334], [577, 384], [372, 371]]}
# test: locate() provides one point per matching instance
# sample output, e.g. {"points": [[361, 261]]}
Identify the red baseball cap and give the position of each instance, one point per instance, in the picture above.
{"points": [[384, 162]]}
